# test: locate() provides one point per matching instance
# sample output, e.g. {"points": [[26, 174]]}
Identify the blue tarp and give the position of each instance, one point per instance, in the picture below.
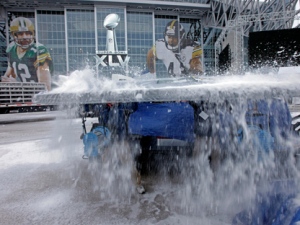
{"points": [[278, 206], [273, 116], [95, 140], [168, 120], [270, 122], [176, 120]]}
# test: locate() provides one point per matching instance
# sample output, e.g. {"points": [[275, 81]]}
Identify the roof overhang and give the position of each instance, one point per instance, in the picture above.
{"points": [[147, 4]]}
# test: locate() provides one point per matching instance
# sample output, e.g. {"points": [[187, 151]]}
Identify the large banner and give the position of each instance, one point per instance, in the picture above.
{"points": [[28, 61], [180, 55]]}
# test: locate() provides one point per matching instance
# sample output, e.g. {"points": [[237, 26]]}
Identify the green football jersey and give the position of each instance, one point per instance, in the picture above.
{"points": [[25, 67]]}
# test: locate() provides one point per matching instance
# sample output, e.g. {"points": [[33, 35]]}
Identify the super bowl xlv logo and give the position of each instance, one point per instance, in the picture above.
{"points": [[105, 58], [111, 57]]}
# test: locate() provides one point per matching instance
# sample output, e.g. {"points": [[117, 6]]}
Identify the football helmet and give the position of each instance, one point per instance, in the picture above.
{"points": [[174, 30], [20, 25]]}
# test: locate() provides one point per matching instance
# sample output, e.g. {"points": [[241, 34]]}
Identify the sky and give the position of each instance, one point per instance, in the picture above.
{"points": [[297, 21]]}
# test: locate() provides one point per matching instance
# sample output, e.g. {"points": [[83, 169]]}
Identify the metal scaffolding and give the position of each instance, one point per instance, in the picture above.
{"points": [[238, 18]]}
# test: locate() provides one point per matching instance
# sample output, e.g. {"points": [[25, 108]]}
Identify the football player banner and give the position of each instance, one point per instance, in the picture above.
{"points": [[28, 61], [180, 55]]}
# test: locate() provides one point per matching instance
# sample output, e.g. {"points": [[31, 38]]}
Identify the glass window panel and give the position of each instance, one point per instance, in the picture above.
{"points": [[52, 35], [81, 38], [139, 31], [192, 28]]}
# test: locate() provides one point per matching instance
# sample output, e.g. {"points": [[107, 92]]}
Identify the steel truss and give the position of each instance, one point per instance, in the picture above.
{"points": [[239, 17], [242, 25]]}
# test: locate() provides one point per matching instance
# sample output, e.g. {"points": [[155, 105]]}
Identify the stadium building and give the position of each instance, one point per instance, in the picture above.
{"points": [[73, 30]]}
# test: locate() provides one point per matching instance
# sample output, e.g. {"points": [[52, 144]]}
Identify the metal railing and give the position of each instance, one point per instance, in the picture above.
{"points": [[18, 92]]}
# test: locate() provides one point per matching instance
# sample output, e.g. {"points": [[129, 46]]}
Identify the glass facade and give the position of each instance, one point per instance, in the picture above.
{"points": [[80, 38], [74, 35], [51, 33], [140, 39], [209, 50], [77, 48]]}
